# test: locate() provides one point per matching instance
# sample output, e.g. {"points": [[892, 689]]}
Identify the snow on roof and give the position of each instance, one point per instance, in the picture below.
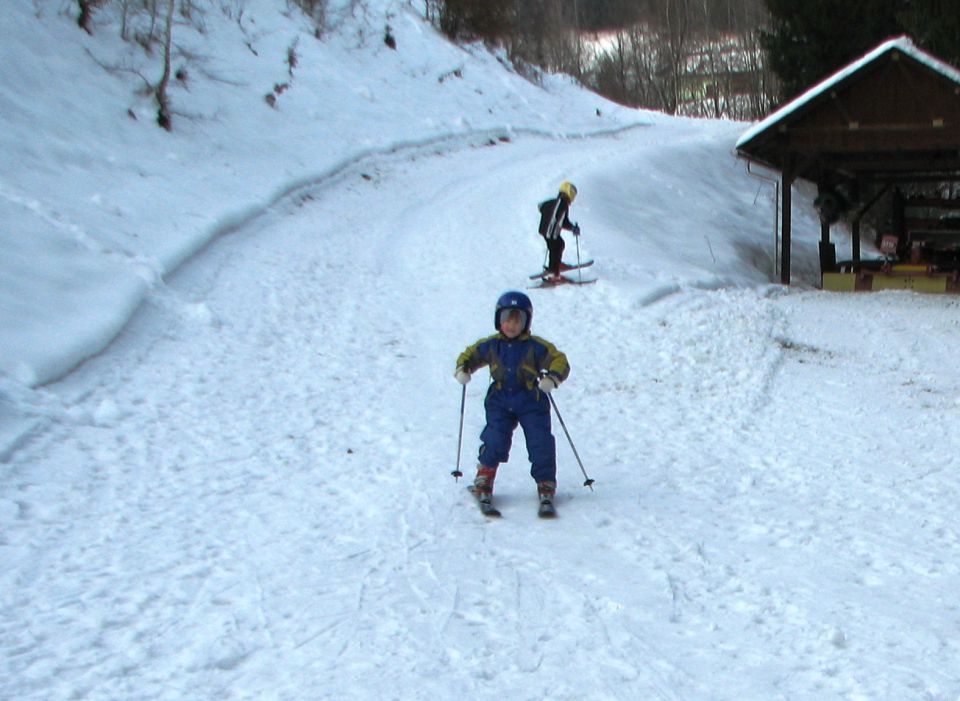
{"points": [[901, 43]]}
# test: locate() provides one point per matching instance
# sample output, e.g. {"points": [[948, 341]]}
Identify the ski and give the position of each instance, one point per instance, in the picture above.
{"points": [[561, 281], [547, 509], [484, 502], [564, 268]]}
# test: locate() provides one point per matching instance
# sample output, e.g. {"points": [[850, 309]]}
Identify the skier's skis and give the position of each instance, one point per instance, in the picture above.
{"points": [[563, 280], [564, 268], [484, 502]]}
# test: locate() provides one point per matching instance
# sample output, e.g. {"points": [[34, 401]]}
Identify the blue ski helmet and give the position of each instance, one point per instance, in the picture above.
{"points": [[514, 300]]}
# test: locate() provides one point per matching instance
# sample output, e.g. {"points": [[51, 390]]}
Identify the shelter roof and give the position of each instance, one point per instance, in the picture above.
{"points": [[892, 114]]}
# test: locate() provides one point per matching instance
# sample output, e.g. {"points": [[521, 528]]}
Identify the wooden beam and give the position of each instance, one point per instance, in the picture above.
{"points": [[872, 201], [855, 244], [786, 202], [891, 178], [828, 252], [931, 162], [873, 138]]}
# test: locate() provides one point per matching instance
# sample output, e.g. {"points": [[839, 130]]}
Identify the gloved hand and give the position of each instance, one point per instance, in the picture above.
{"points": [[548, 383], [576, 229], [462, 376]]}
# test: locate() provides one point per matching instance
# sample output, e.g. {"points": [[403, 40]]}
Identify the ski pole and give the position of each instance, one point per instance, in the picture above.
{"points": [[579, 267], [463, 401], [553, 403]]}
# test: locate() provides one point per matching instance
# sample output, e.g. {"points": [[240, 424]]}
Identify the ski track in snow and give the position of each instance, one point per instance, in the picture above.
{"points": [[312, 539]]}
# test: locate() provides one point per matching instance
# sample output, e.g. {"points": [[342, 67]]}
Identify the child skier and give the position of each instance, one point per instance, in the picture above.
{"points": [[522, 368], [555, 216]]}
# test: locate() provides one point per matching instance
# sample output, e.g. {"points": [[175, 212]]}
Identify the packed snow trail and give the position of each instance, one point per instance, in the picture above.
{"points": [[248, 495]]}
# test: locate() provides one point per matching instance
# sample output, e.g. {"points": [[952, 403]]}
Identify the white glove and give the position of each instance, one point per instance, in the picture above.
{"points": [[548, 383], [463, 377]]}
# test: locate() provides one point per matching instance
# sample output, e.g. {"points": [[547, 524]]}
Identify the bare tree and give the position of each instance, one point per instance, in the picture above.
{"points": [[86, 13], [612, 75], [316, 10], [693, 57], [673, 36], [164, 118]]}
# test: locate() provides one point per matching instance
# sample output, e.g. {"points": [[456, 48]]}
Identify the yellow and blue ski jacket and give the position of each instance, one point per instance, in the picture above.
{"points": [[515, 364], [513, 398]]}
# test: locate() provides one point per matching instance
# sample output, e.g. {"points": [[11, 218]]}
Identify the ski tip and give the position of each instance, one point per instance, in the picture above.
{"points": [[486, 508]]}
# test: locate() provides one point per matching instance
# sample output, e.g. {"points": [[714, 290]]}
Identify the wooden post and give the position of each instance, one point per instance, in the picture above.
{"points": [[828, 252], [855, 244], [786, 203]]}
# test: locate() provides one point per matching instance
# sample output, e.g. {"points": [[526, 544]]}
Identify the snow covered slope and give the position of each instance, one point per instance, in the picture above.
{"points": [[99, 204], [247, 495]]}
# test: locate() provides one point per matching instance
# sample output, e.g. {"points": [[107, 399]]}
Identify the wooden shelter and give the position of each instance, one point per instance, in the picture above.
{"points": [[885, 127]]}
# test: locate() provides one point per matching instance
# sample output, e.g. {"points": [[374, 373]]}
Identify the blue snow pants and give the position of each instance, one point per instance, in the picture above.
{"points": [[531, 410]]}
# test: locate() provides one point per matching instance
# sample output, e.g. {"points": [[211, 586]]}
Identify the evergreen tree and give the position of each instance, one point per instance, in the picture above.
{"points": [[934, 25], [491, 20], [810, 40], [598, 15]]}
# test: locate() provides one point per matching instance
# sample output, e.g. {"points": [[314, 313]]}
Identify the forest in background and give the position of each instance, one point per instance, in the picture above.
{"points": [[689, 57], [736, 59], [732, 59]]}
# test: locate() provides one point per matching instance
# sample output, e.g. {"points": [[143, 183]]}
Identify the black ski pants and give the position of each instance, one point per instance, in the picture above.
{"points": [[555, 248]]}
